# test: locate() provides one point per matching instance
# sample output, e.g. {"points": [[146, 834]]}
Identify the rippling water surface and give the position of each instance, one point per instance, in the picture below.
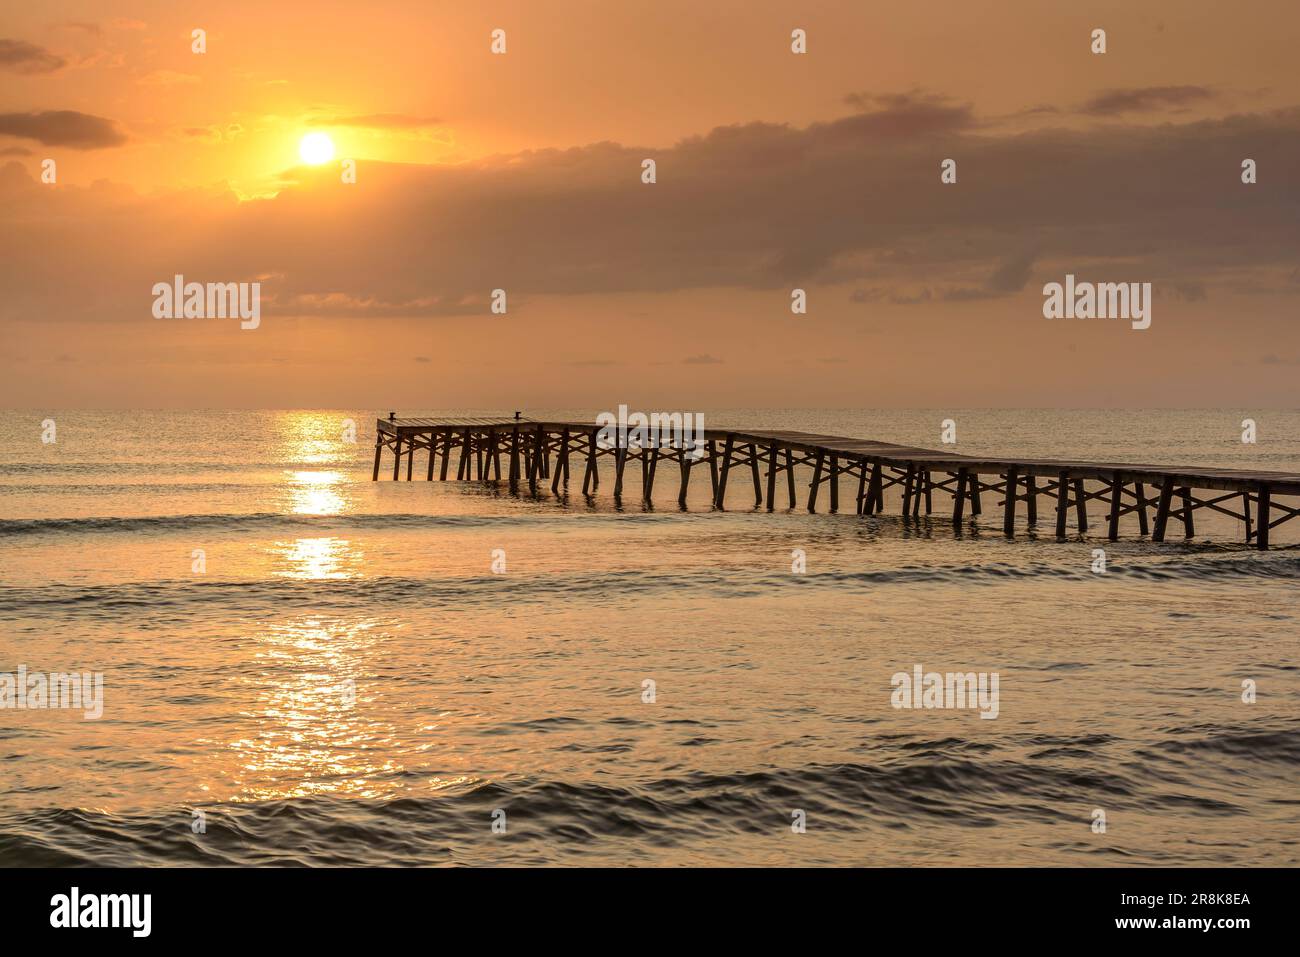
{"points": [[347, 680]]}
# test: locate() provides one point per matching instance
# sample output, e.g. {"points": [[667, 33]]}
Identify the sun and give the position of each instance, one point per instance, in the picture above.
{"points": [[316, 148]]}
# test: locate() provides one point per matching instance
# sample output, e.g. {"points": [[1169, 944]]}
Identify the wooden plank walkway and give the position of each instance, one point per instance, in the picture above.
{"points": [[1152, 494]]}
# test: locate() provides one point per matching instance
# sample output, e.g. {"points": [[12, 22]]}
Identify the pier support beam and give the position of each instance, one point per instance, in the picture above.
{"points": [[685, 462], [1189, 523], [561, 463], [713, 469], [816, 481], [771, 476], [720, 494], [1062, 502], [1261, 519], [875, 490], [590, 473], [1162, 510], [446, 456], [789, 477], [620, 460], [1009, 505], [1116, 492]]}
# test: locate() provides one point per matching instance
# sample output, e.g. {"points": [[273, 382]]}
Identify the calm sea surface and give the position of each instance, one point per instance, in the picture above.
{"points": [[341, 678]]}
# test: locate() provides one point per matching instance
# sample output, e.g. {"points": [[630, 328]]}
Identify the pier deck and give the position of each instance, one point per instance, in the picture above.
{"points": [[1152, 494]]}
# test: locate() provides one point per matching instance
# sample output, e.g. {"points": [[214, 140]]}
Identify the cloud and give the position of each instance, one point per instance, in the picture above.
{"points": [[758, 206], [23, 57], [702, 360], [62, 128], [377, 121], [15, 151], [1145, 99], [905, 114]]}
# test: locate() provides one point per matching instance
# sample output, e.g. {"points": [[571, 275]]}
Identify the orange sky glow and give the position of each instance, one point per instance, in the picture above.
{"points": [[775, 171]]}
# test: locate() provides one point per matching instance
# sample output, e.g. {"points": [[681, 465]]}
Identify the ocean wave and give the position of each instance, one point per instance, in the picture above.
{"points": [[937, 787], [258, 596], [553, 821], [256, 521]]}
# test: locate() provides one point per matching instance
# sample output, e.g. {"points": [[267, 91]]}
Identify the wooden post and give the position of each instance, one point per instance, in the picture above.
{"points": [[410, 455], [721, 492], [1189, 524], [1062, 502], [1080, 505], [514, 458], [591, 463], [397, 455], [975, 494], [789, 477], [876, 490], [907, 491], [686, 462], [562, 463], [1245, 513], [1116, 491], [433, 457], [446, 456], [539, 455], [1261, 519], [1162, 510], [816, 481], [462, 471], [1141, 507], [771, 476], [620, 460], [929, 492], [653, 452], [753, 468], [495, 452], [862, 485], [958, 499], [835, 484], [1031, 499], [1009, 506], [645, 473], [713, 469], [379, 448]]}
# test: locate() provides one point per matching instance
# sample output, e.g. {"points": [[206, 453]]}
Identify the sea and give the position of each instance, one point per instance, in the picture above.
{"points": [[301, 666]]}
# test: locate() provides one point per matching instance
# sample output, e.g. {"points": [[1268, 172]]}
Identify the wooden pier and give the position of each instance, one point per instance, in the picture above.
{"points": [[534, 453]]}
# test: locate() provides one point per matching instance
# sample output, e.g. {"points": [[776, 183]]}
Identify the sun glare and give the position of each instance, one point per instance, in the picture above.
{"points": [[316, 148]]}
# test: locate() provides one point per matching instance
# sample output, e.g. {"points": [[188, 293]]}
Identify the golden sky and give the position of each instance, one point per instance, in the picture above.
{"points": [[522, 171]]}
